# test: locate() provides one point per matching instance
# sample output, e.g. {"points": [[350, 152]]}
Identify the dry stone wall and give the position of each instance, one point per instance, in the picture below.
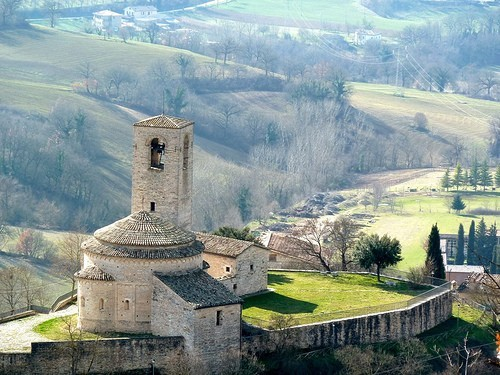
{"points": [[368, 329], [107, 356]]}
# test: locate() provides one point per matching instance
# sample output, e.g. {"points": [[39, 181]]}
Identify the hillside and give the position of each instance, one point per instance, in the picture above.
{"points": [[259, 142]]}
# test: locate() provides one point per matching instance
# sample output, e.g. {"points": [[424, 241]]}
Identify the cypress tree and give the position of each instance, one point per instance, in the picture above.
{"points": [[497, 177], [434, 260], [471, 244], [459, 259], [491, 242], [495, 267], [481, 245]]}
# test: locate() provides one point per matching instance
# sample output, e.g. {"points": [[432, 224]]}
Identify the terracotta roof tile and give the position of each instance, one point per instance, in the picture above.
{"points": [[163, 121], [92, 245], [199, 289], [230, 247], [94, 273], [143, 229], [291, 246]]}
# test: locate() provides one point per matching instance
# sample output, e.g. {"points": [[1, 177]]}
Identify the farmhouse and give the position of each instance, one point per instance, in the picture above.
{"points": [[140, 12], [362, 36], [107, 20]]}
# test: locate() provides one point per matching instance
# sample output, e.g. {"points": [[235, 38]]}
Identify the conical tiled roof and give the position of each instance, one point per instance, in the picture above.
{"points": [[144, 236], [144, 229], [163, 121]]}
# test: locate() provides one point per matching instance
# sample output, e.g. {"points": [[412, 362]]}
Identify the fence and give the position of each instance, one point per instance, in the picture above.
{"points": [[438, 287], [58, 303]]}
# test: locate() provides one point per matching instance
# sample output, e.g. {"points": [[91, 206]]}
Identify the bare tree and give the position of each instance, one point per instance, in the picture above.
{"points": [[52, 9], [343, 235], [227, 111], [10, 287], [8, 9], [118, 76], [70, 256], [87, 71], [312, 235], [487, 81], [184, 62]]}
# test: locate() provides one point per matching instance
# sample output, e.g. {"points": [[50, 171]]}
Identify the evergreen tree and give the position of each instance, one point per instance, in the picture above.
{"points": [[491, 243], [485, 178], [458, 177], [474, 174], [471, 244], [434, 261], [495, 267], [481, 246], [460, 257], [457, 204], [380, 251], [497, 177], [466, 179], [445, 181]]}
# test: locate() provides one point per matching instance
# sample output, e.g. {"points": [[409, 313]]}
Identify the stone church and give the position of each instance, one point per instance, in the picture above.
{"points": [[146, 273]]}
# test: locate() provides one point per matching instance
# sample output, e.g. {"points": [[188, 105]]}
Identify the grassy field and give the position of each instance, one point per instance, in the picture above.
{"points": [[313, 297], [409, 216], [302, 13]]}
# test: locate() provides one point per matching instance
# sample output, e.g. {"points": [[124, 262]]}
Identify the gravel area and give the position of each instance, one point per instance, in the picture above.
{"points": [[17, 335]]}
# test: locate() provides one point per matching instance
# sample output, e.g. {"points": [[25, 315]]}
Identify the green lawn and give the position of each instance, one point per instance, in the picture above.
{"points": [[313, 297]]}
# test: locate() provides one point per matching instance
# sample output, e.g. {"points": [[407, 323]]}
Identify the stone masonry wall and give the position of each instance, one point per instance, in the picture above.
{"points": [[170, 188], [368, 329], [107, 356]]}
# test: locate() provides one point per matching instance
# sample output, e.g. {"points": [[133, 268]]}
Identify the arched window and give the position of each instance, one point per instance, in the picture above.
{"points": [[157, 151], [185, 153], [127, 304], [101, 304]]}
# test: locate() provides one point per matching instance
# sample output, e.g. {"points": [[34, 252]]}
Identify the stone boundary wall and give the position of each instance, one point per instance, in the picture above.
{"points": [[367, 329], [107, 356]]}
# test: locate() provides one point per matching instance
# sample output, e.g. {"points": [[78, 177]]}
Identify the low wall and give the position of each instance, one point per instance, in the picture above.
{"points": [[101, 357], [367, 329]]}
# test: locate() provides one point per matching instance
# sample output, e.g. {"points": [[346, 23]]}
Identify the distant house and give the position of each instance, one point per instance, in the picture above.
{"points": [[240, 265], [362, 36], [287, 252], [107, 20], [460, 273], [140, 12]]}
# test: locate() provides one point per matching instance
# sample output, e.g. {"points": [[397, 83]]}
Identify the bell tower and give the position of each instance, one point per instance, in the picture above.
{"points": [[162, 168]]}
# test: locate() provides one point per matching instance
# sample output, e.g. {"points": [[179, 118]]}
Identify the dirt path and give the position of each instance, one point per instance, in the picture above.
{"points": [[17, 336]]}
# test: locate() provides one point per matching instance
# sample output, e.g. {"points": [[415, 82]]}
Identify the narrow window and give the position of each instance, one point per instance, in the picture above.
{"points": [[228, 269], [219, 318], [157, 150], [127, 304], [251, 267], [101, 304], [152, 207], [185, 152], [235, 286]]}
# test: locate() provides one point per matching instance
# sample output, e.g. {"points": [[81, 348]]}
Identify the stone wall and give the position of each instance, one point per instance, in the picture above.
{"points": [[106, 356], [368, 329]]}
